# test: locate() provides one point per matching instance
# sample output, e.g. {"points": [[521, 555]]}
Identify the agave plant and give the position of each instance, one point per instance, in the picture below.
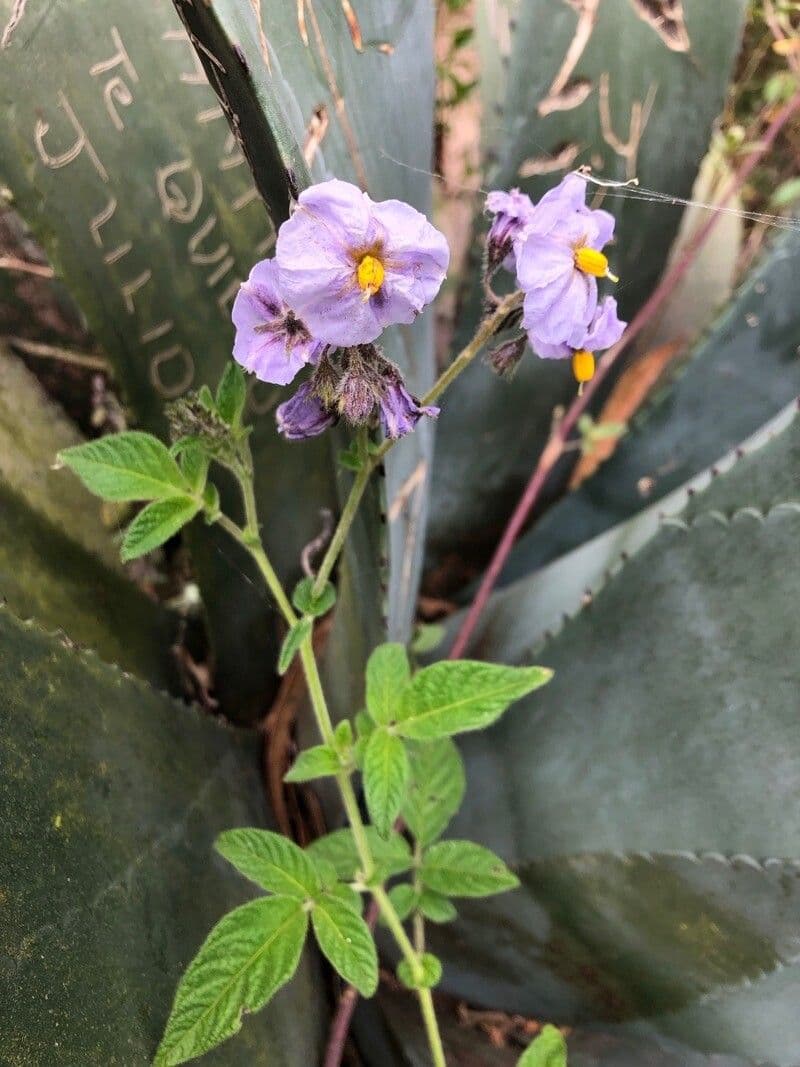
{"points": [[643, 800]]}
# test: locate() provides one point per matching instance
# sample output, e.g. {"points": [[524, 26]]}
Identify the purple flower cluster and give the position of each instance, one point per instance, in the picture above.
{"points": [[345, 268], [556, 249]]}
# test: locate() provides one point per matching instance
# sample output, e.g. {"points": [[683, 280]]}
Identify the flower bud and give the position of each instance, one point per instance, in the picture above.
{"points": [[504, 359], [303, 415]]}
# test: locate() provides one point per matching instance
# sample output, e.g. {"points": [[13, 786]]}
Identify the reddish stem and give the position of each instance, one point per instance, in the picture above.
{"points": [[554, 448]]}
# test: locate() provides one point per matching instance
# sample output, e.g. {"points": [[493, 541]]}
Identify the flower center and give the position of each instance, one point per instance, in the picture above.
{"points": [[370, 275], [583, 365], [590, 261]]}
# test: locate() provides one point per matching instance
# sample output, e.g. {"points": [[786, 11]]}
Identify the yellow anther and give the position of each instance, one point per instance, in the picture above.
{"points": [[590, 261], [370, 275], [583, 365]]}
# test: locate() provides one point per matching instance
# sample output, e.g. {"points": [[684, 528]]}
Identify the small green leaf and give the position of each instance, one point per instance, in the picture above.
{"points": [[427, 637], [392, 855], [232, 394], [464, 869], [786, 193], [346, 942], [307, 604], [436, 908], [385, 777], [343, 736], [246, 958], [194, 465], [156, 523], [292, 642], [388, 674], [271, 861], [549, 1049], [435, 790], [350, 457], [347, 896], [317, 762], [430, 976], [211, 501], [404, 899], [206, 398], [126, 466], [364, 730], [459, 695]]}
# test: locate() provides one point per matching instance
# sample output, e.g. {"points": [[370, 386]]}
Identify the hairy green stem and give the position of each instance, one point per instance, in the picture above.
{"points": [[250, 539], [418, 921], [487, 329]]}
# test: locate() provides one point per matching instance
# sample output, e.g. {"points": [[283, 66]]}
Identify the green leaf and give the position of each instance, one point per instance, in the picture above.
{"points": [[464, 869], [386, 771], [271, 861], [232, 394], [194, 465], [786, 193], [549, 1049], [292, 642], [427, 637], [156, 523], [246, 958], [392, 855], [317, 762], [365, 727], [431, 972], [388, 674], [126, 466], [459, 695], [347, 896], [343, 736], [346, 942], [307, 604], [404, 899], [436, 908], [435, 790]]}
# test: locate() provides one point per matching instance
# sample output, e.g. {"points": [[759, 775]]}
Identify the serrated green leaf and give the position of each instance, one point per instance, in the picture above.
{"points": [[347, 896], [246, 958], [231, 394], [292, 642], [549, 1049], [429, 977], [388, 674], [435, 789], [307, 604], [386, 770], [317, 762], [464, 869], [156, 523], [455, 696], [404, 899], [126, 466], [346, 942], [392, 855], [271, 861], [194, 465], [436, 908]]}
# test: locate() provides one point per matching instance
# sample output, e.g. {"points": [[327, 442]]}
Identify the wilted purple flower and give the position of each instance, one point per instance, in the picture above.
{"points": [[270, 339], [559, 260], [512, 212], [506, 356], [350, 267], [303, 415], [603, 331], [399, 411]]}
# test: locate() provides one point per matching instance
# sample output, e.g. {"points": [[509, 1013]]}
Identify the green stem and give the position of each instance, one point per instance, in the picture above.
{"points": [[485, 332], [428, 1010], [254, 546], [418, 921], [348, 513]]}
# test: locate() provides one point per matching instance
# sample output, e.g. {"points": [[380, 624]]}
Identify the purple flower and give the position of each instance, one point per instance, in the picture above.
{"points": [[270, 340], [512, 212], [603, 331], [303, 415], [350, 267], [559, 260], [400, 411]]}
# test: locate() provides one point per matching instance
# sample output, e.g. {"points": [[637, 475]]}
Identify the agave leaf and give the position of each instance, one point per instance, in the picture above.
{"points": [[668, 743], [111, 800], [58, 562], [736, 378], [491, 430]]}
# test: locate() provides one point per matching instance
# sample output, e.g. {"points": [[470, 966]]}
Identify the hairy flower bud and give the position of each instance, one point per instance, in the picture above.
{"points": [[505, 358], [303, 415]]}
